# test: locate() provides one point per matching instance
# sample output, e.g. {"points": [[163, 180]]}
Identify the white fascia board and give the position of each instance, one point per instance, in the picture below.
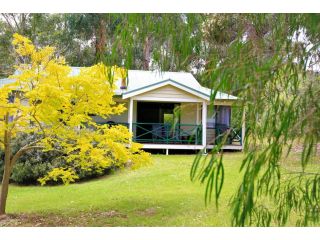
{"points": [[190, 90], [171, 146], [143, 90], [156, 99], [164, 83]]}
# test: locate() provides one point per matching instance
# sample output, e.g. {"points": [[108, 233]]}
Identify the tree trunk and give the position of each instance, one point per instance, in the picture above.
{"points": [[5, 185], [7, 168], [147, 53], [101, 39]]}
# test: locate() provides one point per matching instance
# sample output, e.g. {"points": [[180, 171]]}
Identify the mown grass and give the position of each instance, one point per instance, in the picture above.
{"points": [[158, 195]]}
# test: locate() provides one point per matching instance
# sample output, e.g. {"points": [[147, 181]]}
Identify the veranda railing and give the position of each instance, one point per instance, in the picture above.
{"points": [[163, 133]]}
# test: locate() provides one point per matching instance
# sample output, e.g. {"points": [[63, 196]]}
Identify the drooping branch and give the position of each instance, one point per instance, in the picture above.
{"points": [[23, 150]]}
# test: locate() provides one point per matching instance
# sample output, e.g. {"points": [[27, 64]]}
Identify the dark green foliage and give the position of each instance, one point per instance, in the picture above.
{"points": [[139, 41], [33, 165], [167, 39], [236, 118], [36, 163]]}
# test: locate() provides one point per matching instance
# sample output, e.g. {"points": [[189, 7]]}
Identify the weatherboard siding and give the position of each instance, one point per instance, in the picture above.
{"points": [[169, 94], [122, 118]]}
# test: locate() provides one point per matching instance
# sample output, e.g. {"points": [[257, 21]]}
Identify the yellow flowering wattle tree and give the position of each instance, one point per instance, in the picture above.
{"points": [[47, 101]]}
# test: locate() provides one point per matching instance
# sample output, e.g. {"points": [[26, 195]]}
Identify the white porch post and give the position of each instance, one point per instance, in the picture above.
{"points": [[198, 113], [130, 114], [204, 124], [243, 130]]}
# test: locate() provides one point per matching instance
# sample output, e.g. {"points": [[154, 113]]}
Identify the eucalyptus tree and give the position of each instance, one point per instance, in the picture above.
{"points": [[9, 24], [140, 41], [156, 41], [272, 66], [42, 29]]}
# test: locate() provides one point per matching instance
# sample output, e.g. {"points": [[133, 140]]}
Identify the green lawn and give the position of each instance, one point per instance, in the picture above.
{"points": [[158, 195]]}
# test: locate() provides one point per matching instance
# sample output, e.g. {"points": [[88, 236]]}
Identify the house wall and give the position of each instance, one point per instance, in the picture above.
{"points": [[211, 119], [221, 102], [122, 118], [189, 116], [172, 94], [167, 93], [188, 113]]}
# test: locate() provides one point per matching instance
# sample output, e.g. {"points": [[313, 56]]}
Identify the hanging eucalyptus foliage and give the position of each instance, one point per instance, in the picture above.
{"points": [[272, 66]]}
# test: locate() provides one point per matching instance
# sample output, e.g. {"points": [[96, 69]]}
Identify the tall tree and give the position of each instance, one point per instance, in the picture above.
{"points": [[91, 28], [272, 66], [140, 41], [42, 29], [155, 41], [9, 24], [47, 102]]}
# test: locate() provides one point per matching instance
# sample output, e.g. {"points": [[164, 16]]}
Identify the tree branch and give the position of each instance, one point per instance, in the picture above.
{"points": [[15, 21], [8, 22], [22, 151], [39, 124]]}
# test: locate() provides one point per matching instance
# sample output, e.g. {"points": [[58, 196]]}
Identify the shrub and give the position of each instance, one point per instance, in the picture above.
{"points": [[35, 164]]}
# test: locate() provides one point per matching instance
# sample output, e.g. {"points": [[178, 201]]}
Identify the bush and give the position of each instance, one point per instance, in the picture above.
{"points": [[35, 164]]}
